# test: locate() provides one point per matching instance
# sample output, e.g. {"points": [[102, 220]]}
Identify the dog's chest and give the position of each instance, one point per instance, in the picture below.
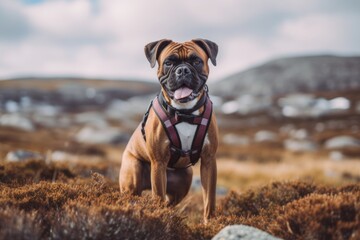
{"points": [[186, 133]]}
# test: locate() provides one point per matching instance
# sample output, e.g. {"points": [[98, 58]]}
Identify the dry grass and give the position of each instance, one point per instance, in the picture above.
{"points": [[244, 175], [51, 201], [293, 210], [78, 208]]}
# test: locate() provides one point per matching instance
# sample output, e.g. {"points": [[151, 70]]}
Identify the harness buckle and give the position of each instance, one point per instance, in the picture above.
{"points": [[185, 153], [181, 152], [181, 117]]}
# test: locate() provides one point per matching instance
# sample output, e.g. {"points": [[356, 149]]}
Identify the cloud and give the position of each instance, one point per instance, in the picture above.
{"points": [[319, 33], [68, 22], [13, 25], [311, 29], [106, 38]]}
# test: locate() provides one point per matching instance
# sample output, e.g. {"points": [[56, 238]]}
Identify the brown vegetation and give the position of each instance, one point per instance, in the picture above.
{"points": [[51, 201], [78, 208], [297, 210]]}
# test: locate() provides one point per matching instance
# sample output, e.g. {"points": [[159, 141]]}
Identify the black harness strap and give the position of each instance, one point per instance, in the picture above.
{"points": [[143, 122]]}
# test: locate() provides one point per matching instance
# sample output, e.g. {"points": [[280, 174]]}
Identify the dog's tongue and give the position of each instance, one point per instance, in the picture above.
{"points": [[182, 92]]}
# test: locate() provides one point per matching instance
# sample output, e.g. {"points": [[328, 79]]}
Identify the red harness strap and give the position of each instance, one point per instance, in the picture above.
{"points": [[169, 123]]}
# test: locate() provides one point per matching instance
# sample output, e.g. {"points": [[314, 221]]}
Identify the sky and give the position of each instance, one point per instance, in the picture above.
{"points": [[106, 38]]}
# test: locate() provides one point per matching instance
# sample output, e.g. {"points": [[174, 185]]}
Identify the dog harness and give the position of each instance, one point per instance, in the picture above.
{"points": [[170, 116]]}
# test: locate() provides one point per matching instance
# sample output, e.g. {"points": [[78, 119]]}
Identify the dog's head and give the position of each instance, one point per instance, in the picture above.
{"points": [[183, 67]]}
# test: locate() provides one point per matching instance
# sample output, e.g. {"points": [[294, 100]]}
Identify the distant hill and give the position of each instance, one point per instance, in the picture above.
{"points": [[127, 86], [296, 74]]}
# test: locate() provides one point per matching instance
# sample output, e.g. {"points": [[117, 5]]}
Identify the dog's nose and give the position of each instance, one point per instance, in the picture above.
{"points": [[182, 71]]}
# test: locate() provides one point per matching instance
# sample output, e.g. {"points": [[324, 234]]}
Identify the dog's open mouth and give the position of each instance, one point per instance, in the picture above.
{"points": [[182, 93]]}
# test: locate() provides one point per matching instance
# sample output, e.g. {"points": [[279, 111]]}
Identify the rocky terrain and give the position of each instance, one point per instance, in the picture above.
{"points": [[292, 75], [289, 156]]}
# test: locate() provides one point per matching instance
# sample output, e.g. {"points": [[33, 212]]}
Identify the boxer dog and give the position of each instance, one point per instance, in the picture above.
{"points": [[178, 129]]}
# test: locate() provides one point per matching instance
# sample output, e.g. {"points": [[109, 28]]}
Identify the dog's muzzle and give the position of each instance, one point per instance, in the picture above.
{"points": [[183, 83]]}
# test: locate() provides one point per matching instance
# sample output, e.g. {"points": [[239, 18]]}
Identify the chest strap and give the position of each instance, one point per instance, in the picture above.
{"points": [[169, 122]]}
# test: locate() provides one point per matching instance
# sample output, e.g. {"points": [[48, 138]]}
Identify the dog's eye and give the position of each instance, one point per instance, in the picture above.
{"points": [[168, 63], [197, 62]]}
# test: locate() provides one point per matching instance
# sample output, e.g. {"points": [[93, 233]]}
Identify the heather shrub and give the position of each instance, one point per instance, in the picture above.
{"points": [[103, 221], [19, 224], [320, 216], [48, 201], [86, 209], [22, 173], [296, 210], [252, 202]]}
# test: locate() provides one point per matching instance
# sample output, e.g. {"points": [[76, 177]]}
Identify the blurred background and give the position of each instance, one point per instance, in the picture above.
{"points": [[75, 83]]}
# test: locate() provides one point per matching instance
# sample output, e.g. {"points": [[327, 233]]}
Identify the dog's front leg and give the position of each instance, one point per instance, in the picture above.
{"points": [[208, 181], [158, 179]]}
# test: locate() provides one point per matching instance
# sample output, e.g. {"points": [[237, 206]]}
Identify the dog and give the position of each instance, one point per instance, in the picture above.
{"points": [[178, 129]]}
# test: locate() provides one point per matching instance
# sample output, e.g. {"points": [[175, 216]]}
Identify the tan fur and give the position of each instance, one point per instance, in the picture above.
{"points": [[144, 164]]}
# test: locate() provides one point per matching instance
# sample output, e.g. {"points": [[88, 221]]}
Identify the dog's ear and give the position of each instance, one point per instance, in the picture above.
{"points": [[153, 50], [209, 47]]}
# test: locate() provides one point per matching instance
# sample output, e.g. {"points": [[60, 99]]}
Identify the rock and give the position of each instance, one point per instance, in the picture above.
{"points": [[243, 232], [342, 142], [46, 110], [22, 155], [250, 103], [217, 102], [246, 104], [303, 105], [299, 133], [339, 103], [11, 106], [306, 105], [298, 100], [16, 121], [94, 119], [119, 109], [296, 145], [96, 135], [265, 136], [61, 156], [26, 103], [230, 107], [336, 155], [233, 139], [125, 111], [51, 122]]}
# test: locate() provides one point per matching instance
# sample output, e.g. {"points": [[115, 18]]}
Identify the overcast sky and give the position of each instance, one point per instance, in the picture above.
{"points": [[94, 38]]}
